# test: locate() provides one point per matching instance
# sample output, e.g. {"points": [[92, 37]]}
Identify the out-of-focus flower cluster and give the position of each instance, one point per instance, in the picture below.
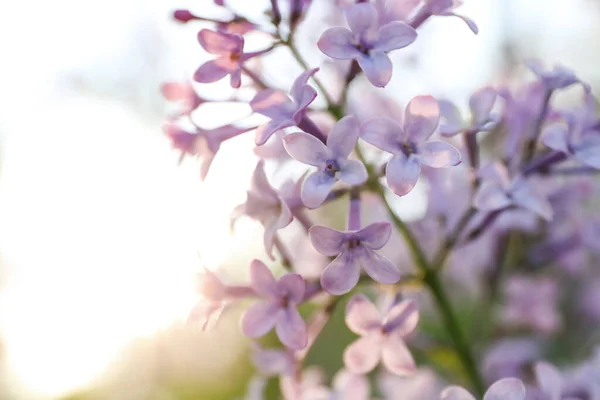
{"points": [[511, 220]]}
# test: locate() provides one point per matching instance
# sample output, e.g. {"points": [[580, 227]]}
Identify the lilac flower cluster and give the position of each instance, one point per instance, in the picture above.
{"points": [[511, 222]]}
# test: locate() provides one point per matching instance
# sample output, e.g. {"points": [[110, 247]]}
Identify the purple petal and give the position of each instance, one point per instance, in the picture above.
{"points": [[259, 319], [481, 103], [264, 132], [490, 197], [451, 120], [306, 148], [352, 172], [300, 83], [291, 286], [315, 189], [456, 393], [506, 389], [362, 355], [260, 183], [351, 386], [327, 241], [262, 280], [394, 35], [549, 380], [438, 154], [402, 319], [343, 137], [362, 316], [470, 23], [377, 67], [338, 43], [210, 71], [235, 81], [273, 103], [588, 150], [275, 223], [306, 97], [396, 357], [341, 275], [291, 329], [271, 362], [402, 174], [361, 17], [375, 235], [383, 133], [379, 268], [526, 196], [219, 43], [495, 172], [556, 136], [422, 116]]}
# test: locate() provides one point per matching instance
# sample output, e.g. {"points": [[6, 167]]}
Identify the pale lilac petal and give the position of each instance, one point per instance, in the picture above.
{"points": [[306, 148], [556, 137], [343, 137], [291, 329], [262, 280], [315, 189], [264, 132], [377, 67], [361, 17], [422, 116], [300, 83], [259, 319], [375, 235], [291, 286], [341, 275], [338, 43], [394, 35], [271, 227], [327, 241], [506, 389], [438, 154], [379, 268], [210, 71], [307, 95], [271, 362], [362, 355], [351, 386], [402, 174], [383, 133], [456, 393], [491, 197], [481, 103], [362, 316], [496, 172], [352, 172], [470, 23], [451, 120], [260, 184], [549, 380], [529, 198], [588, 150], [403, 318], [396, 357], [273, 103], [220, 43]]}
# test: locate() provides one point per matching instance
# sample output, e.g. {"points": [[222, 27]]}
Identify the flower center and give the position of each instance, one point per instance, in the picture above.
{"points": [[353, 243], [408, 148], [331, 167], [234, 57]]}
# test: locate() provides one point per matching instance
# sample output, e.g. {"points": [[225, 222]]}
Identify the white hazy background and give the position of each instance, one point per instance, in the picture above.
{"points": [[100, 230]]}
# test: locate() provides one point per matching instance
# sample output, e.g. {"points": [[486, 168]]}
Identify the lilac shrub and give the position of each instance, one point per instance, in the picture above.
{"points": [[496, 281]]}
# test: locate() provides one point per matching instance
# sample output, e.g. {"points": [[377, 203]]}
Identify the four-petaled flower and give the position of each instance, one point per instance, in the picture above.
{"points": [[331, 159], [480, 103], [354, 249], [265, 205], [504, 389], [283, 112], [409, 144], [367, 42], [277, 308], [498, 192], [382, 337], [230, 51]]}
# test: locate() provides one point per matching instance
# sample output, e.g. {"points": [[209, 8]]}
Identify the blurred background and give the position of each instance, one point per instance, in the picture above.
{"points": [[102, 233]]}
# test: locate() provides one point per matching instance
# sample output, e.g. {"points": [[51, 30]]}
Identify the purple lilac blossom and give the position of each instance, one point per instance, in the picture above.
{"points": [[265, 205], [331, 160], [445, 8], [422, 384], [277, 307], [482, 119], [381, 336], [354, 250], [557, 78], [282, 111], [504, 389], [499, 192], [367, 42], [510, 357], [409, 144]]}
